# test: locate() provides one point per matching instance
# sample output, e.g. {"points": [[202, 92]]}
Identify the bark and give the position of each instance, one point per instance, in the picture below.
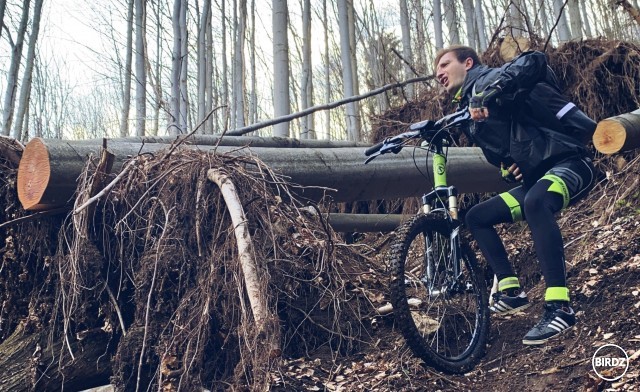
{"points": [[14, 69], [575, 19], [141, 73], [48, 170], [25, 89], [253, 102], [203, 60], [29, 363], [238, 65], [327, 69], [306, 86], [347, 71], [437, 24], [281, 100], [467, 7], [176, 121], [11, 149], [365, 223], [563, 28], [184, 67], [255, 290], [451, 17], [407, 53], [480, 24], [126, 93], [618, 134]]}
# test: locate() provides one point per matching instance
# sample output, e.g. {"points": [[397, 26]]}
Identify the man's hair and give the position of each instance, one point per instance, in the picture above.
{"points": [[461, 52]]}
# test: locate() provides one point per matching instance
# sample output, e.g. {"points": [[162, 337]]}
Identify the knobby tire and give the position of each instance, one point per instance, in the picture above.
{"points": [[447, 331]]}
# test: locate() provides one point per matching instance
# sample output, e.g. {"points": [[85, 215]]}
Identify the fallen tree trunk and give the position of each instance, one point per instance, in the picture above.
{"points": [[618, 134], [29, 363], [49, 168], [365, 223], [237, 141]]}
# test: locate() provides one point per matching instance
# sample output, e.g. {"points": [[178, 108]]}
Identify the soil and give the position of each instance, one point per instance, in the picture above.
{"points": [[603, 267]]}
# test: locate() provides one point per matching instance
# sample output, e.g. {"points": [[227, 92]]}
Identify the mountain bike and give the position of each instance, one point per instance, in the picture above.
{"points": [[438, 293]]}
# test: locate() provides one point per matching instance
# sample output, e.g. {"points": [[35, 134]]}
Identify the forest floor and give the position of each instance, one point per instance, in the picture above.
{"points": [[602, 248]]}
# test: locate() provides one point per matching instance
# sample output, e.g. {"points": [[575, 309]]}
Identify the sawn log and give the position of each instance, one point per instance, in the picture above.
{"points": [[49, 169], [618, 134]]}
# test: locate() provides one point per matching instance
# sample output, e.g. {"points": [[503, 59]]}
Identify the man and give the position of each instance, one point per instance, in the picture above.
{"points": [[524, 126]]}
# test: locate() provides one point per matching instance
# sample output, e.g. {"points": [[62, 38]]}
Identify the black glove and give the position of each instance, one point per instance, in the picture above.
{"points": [[490, 94]]}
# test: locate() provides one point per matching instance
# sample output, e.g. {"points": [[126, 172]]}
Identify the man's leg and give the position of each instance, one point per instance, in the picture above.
{"points": [[561, 186], [481, 220]]}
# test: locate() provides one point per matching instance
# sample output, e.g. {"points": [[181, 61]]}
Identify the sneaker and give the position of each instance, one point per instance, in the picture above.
{"points": [[504, 304], [556, 320]]}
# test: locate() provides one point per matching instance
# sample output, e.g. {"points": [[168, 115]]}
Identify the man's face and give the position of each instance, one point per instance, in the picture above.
{"points": [[451, 73]]}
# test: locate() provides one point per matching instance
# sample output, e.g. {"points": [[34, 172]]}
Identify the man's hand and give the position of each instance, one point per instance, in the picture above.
{"points": [[512, 174], [479, 102]]}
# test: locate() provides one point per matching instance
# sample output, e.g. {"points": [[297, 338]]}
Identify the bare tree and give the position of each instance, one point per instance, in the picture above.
{"points": [[25, 89], [575, 19], [203, 59], [14, 69], [306, 85], [347, 71], [281, 102], [141, 72], [3, 6], [563, 28], [126, 92], [437, 24], [253, 104], [238, 65], [453, 23], [480, 25], [407, 53]]}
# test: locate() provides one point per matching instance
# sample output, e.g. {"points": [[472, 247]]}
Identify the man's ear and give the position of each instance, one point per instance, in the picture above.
{"points": [[468, 63]]}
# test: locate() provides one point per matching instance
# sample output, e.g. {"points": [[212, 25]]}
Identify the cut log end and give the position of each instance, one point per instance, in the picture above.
{"points": [[609, 136], [618, 134], [34, 174]]}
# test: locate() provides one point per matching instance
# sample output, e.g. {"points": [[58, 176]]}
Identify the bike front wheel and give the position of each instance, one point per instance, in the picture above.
{"points": [[441, 309]]}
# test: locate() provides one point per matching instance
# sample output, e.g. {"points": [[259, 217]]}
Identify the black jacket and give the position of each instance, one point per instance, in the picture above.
{"points": [[532, 124]]}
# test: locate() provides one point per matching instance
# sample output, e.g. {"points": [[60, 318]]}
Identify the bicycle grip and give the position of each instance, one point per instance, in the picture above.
{"points": [[373, 149]]}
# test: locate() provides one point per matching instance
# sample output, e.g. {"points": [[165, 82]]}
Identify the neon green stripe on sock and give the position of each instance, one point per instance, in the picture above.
{"points": [[556, 294], [508, 283]]}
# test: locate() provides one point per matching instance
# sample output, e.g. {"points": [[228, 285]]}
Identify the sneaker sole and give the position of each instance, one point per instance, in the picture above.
{"points": [[512, 311], [539, 342]]}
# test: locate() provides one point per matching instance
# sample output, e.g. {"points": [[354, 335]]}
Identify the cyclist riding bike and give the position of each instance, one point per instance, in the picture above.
{"points": [[526, 127]]}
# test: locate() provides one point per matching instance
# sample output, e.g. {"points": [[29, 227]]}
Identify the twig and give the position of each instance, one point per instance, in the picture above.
{"points": [[34, 216], [313, 109], [117, 308], [105, 189]]}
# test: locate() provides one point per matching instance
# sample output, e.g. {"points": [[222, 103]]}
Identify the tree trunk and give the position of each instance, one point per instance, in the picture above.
{"points": [[469, 18], [480, 25], [25, 89], [18, 354], [14, 69], [327, 69], [141, 73], [618, 134], [281, 100], [126, 92], [176, 64], [564, 34], [575, 20], [437, 24], [451, 17], [238, 65], [203, 59], [407, 53], [184, 68], [347, 71], [365, 223], [306, 86], [253, 104], [49, 168]]}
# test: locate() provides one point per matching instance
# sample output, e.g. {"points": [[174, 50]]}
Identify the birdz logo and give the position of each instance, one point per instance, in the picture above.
{"points": [[610, 362]]}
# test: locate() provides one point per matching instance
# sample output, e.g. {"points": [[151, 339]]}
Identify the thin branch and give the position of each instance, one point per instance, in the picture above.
{"points": [[106, 188], [313, 109], [34, 216], [555, 25]]}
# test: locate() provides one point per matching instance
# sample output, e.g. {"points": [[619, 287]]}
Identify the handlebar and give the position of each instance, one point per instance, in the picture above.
{"points": [[424, 129]]}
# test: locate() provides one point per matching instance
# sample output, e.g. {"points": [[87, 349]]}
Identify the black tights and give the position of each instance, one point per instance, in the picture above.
{"points": [[538, 208]]}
